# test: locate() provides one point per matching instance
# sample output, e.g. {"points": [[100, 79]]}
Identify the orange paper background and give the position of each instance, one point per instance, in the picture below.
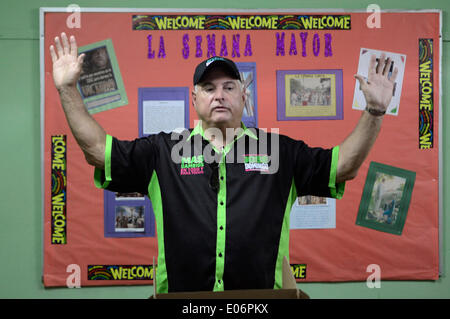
{"points": [[340, 254]]}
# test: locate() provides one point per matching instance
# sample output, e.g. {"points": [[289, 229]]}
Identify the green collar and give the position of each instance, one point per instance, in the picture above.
{"points": [[198, 129]]}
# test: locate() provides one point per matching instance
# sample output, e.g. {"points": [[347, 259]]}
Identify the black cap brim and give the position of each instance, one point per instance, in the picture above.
{"points": [[210, 63]]}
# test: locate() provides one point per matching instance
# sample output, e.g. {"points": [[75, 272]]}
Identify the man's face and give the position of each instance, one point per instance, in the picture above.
{"points": [[219, 99], [100, 57]]}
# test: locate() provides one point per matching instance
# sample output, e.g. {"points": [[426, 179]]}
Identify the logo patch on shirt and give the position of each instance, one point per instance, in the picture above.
{"points": [[192, 165], [256, 162]]}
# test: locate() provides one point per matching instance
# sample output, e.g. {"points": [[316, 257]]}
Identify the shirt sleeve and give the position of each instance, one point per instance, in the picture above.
{"points": [[128, 165], [336, 189], [315, 171]]}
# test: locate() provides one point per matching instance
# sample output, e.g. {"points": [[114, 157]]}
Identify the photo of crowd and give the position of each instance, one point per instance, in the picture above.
{"points": [[310, 91], [129, 219]]}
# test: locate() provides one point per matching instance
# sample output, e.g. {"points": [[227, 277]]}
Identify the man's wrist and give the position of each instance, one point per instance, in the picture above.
{"points": [[66, 88], [375, 112]]}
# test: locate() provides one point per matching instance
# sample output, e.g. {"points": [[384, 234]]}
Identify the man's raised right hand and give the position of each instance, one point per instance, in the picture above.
{"points": [[66, 62]]}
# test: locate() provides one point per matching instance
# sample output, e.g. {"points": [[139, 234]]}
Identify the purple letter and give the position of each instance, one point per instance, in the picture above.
{"points": [[248, 46], [280, 43], [185, 50], [150, 52], [162, 50], [198, 53], [293, 49], [328, 51], [223, 47], [235, 51], [316, 44], [303, 36], [211, 39]]}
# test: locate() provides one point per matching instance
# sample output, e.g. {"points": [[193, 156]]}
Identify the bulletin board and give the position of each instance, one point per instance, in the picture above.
{"points": [[298, 68]]}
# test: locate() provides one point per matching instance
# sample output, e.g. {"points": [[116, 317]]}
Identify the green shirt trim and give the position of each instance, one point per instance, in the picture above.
{"points": [[221, 201], [98, 173], [221, 226], [336, 190], [154, 193], [283, 247]]}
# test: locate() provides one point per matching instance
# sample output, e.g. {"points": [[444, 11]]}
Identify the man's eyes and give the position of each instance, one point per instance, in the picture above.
{"points": [[226, 88], [208, 88]]}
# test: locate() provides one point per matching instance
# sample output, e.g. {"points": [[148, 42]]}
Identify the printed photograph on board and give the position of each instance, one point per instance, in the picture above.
{"points": [[313, 212], [100, 82], [129, 196], [128, 215], [129, 219], [309, 95], [311, 91], [97, 76], [386, 197], [399, 62], [311, 200]]}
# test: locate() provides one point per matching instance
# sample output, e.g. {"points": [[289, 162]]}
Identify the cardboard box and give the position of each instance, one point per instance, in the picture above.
{"points": [[289, 290]]}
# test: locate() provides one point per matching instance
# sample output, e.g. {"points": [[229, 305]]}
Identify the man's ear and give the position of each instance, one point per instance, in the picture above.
{"points": [[194, 98]]}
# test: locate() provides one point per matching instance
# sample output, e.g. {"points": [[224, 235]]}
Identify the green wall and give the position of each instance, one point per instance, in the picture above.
{"points": [[20, 168]]}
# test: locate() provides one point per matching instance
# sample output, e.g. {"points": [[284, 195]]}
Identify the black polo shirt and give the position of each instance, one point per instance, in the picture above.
{"points": [[222, 217]]}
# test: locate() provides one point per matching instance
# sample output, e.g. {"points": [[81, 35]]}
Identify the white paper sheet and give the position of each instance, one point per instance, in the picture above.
{"points": [[313, 216], [162, 116], [359, 102]]}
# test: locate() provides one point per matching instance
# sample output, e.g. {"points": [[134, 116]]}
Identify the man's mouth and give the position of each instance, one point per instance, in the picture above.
{"points": [[220, 108]]}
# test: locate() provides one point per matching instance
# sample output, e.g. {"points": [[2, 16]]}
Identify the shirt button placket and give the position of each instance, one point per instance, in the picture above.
{"points": [[221, 222]]}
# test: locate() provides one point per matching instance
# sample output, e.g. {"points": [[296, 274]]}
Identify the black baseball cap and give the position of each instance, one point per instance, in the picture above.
{"points": [[206, 65]]}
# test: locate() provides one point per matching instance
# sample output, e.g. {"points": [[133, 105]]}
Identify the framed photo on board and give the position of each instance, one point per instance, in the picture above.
{"points": [[386, 197], [100, 82], [128, 215], [309, 95], [162, 109]]}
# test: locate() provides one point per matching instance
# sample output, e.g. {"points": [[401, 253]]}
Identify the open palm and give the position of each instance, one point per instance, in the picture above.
{"points": [[379, 86], [66, 62]]}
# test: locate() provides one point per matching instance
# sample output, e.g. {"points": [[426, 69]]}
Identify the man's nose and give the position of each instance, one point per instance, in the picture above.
{"points": [[218, 94]]}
